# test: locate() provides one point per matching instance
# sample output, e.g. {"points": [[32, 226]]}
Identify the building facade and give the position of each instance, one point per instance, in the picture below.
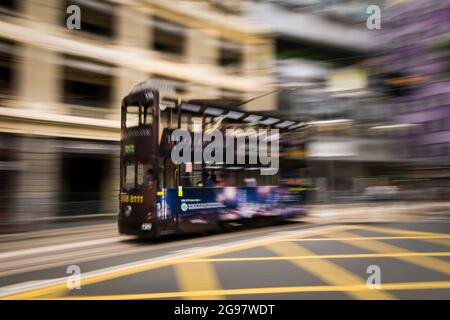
{"points": [[60, 89], [414, 68], [321, 49]]}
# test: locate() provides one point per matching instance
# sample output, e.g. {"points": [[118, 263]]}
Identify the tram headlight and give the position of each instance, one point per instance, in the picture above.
{"points": [[146, 226], [127, 211]]}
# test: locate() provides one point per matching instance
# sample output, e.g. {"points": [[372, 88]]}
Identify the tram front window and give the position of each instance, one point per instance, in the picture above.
{"points": [[136, 116], [137, 148], [138, 175]]}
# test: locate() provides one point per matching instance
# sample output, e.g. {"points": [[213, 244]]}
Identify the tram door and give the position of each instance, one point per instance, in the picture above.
{"points": [[167, 170]]}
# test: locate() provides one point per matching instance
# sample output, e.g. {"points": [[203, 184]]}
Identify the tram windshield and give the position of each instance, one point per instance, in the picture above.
{"points": [[137, 147]]}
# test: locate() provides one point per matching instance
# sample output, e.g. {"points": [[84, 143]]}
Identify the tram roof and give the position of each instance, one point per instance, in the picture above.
{"points": [[231, 110], [142, 94], [139, 95]]}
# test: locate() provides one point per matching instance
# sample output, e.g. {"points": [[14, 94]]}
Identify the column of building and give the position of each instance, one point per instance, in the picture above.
{"points": [[38, 181], [256, 63], [202, 49]]}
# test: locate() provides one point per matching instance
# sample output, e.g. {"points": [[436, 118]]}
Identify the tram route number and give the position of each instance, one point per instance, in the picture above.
{"points": [[126, 198]]}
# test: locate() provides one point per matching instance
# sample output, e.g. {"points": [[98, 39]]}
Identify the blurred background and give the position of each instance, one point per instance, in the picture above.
{"points": [[376, 102]]}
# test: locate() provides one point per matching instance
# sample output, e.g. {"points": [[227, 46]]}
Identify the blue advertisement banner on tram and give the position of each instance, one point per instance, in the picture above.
{"points": [[205, 206]]}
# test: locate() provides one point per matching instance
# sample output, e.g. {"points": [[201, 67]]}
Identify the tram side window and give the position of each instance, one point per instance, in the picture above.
{"points": [[232, 179], [141, 174], [249, 178], [215, 178], [191, 175], [167, 174], [268, 180], [167, 118]]}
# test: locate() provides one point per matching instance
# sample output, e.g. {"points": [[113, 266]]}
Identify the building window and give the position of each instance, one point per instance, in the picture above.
{"points": [[230, 54], [290, 48], [168, 37], [7, 68], [7, 7], [97, 17], [87, 82]]}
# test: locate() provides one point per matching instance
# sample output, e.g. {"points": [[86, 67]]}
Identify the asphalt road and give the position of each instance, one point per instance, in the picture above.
{"points": [[290, 261]]}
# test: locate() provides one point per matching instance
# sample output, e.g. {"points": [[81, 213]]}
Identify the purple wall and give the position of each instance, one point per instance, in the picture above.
{"points": [[408, 39]]}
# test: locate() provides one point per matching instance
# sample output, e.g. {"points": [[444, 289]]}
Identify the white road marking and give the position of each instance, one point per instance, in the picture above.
{"points": [[190, 250], [58, 247], [56, 232]]}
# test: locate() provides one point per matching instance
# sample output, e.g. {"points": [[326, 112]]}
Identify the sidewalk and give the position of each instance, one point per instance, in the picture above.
{"points": [[377, 212], [55, 223]]}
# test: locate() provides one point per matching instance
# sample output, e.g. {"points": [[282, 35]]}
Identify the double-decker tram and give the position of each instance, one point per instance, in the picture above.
{"points": [[199, 165]]}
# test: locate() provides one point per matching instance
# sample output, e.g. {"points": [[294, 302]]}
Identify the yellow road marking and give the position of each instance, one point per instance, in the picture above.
{"points": [[435, 238], [36, 293], [400, 231], [380, 247], [271, 290], [324, 256], [327, 271], [197, 277], [55, 294], [442, 242], [367, 238]]}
